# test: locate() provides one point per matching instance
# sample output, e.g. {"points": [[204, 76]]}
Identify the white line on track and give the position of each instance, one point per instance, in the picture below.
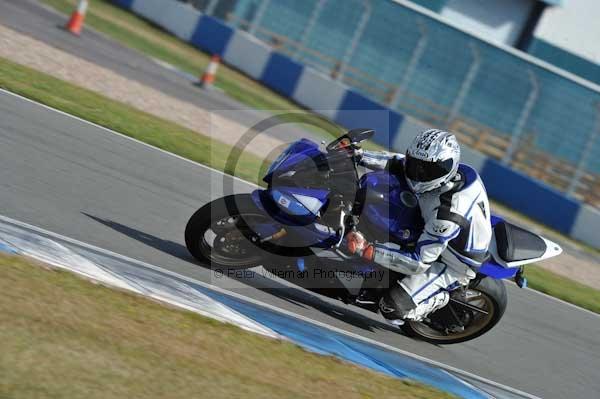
{"points": [[220, 172], [568, 304], [236, 295], [126, 137], [265, 305]]}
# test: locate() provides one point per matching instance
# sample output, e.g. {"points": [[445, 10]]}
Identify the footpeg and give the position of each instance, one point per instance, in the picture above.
{"points": [[520, 279], [366, 298], [364, 301]]}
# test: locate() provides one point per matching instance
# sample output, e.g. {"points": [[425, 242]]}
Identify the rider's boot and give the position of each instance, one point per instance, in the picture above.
{"points": [[396, 314], [427, 307]]}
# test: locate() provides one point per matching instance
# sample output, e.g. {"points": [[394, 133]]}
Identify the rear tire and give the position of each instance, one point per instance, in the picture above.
{"points": [[208, 216], [495, 293]]}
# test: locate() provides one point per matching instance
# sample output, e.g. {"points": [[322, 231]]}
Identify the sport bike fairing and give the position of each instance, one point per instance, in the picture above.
{"points": [[300, 191], [296, 226]]}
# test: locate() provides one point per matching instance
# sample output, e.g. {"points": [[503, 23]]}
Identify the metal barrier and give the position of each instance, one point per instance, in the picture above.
{"points": [[523, 113]]}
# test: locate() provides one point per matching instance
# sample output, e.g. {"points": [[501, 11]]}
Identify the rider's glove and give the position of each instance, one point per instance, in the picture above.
{"points": [[357, 244]]}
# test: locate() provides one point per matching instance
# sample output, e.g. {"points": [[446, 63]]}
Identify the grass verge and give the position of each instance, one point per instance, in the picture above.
{"points": [[139, 34], [62, 336], [122, 118], [563, 288], [186, 143], [136, 33]]}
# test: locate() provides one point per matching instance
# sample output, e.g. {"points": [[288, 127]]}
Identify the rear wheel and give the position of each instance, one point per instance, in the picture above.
{"points": [[468, 315], [219, 233]]}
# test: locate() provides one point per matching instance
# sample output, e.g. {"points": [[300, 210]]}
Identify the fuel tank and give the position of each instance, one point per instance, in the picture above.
{"points": [[389, 208]]}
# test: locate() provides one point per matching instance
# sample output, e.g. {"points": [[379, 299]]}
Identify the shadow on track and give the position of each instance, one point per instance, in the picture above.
{"points": [[293, 295]]}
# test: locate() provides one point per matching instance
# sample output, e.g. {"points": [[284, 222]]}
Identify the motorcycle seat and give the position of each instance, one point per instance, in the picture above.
{"points": [[516, 244]]}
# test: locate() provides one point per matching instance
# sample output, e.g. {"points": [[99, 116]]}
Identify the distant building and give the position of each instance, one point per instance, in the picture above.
{"points": [[510, 22], [564, 33], [569, 37]]}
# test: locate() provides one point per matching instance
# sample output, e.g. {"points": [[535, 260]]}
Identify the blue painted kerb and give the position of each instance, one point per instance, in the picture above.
{"points": [[7, 248], [324, 341]]}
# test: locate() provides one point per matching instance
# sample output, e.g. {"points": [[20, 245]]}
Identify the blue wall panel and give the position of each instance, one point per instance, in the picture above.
{"points": [[532, 198], [212, 35], [123, 3], [375, 116], [282, 74]]}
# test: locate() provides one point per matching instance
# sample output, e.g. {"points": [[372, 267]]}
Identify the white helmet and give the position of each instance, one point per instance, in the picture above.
{"points": [[431, 160]]}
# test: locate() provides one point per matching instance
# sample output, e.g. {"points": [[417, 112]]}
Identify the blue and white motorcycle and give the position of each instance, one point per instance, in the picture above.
{"points": [[296, 228]]}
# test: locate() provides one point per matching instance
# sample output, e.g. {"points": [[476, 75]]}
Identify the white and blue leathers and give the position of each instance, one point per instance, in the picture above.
{"points": [[453, 244]]}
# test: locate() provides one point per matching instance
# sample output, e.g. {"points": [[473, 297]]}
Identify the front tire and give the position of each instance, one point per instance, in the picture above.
{"points": [[218, 234], [490, 295]]}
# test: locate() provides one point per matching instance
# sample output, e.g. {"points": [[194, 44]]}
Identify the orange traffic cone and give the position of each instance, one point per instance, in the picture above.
{"points": [[75, 24], [210, 74]]}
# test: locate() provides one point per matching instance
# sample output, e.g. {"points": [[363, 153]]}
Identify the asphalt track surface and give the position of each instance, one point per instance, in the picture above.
{"points": [[84, 182], [81, 181], [39, 22]]}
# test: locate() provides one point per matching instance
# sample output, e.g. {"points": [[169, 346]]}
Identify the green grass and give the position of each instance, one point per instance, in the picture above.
{"points": [[141, 35], [64, 337], [124, 119], [186, 143], [563, 288]]}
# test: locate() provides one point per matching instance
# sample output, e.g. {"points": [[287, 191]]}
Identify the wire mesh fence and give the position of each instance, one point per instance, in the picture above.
{"points": [[505, 106]]}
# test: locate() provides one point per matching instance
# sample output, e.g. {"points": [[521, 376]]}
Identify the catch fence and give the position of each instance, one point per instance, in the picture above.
{"points": [[517, 110]]}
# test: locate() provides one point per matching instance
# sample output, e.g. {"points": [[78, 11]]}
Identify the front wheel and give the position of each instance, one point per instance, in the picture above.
{"points": [[468, 315], [219, 233]]}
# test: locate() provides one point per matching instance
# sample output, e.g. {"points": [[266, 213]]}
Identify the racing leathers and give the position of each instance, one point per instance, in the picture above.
{"points": [[454, 242]]}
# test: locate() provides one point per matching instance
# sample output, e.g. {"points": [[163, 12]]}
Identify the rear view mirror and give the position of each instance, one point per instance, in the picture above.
{"points": [[361, 134]]}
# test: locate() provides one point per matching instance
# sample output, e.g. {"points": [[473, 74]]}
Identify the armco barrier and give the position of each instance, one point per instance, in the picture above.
{"points": [[187, 17], [124, 3], [282, 74], [353, 112], [319, 92], [248, 54], [586, 225], [334, 100], [532, 198], [212, 35]]}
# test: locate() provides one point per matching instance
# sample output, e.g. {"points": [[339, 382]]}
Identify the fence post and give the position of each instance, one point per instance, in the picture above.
{"points": [[362, 24], [520, 125], [466, 85], [210, 8], [260, 13], [585, 154], [415, 57], [312, 21]]}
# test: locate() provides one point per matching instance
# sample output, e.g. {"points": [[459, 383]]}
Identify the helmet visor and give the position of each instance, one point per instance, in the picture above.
{"points": [[422, 171]]}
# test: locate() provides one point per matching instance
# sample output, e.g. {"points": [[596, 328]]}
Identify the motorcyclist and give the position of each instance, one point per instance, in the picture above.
{"points": [[457, 232]]}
